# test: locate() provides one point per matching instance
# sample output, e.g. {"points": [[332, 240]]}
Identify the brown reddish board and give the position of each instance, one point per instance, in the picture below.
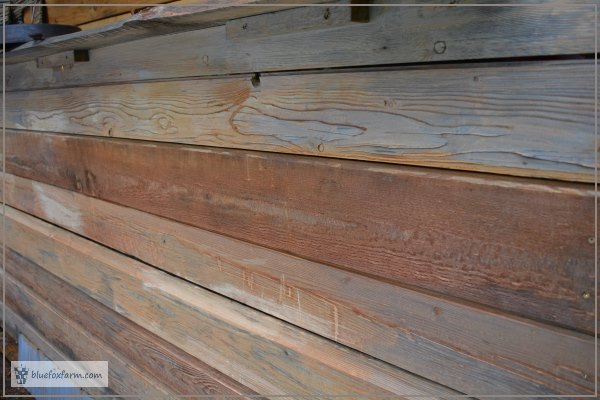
{"points": [[407, 328], [516, 244], [267, 355]]}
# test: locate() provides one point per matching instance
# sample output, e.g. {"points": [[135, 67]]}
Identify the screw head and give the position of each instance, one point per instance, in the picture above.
{"points": [[591, 240], [439, 47]]}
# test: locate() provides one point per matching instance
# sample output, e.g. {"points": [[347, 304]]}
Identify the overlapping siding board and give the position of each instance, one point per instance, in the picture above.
{"points": [[275, 200]]}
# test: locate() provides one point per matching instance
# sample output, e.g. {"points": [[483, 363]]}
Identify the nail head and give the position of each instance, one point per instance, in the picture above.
{"points": [[586, 295]]}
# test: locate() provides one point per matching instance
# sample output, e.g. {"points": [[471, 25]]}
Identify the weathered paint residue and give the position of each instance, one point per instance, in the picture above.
{"points": [[69, 218]]}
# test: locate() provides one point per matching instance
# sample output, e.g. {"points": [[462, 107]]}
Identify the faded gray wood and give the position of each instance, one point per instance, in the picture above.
{"points": [[406, 328], [394, 35], [527, 119], [159, 20], [267, 355], [292, 21]]}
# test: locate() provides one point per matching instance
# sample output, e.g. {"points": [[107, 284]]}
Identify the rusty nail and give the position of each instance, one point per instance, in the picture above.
{"points": [[320, 147], [439, 47], [586, 295]]}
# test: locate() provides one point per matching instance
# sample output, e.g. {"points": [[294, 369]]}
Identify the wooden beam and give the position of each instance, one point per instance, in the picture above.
{"points": [[393, 35], [403, 327], [456, 234], [76, 343], [269, 356], [508, 119], [152, 21], [77, 15]]}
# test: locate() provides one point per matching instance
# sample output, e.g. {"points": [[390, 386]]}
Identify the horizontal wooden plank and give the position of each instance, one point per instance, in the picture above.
{"points": [[295, 20], [77, 343], [152, 21], [393, 35], [403, 327], [515, 244], [507, 118], [92, 11], [156, 358], [261, 352]]}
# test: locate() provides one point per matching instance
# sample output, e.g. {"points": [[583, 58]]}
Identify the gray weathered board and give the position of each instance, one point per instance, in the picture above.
{"points": [[528, 119], [393, 35]]}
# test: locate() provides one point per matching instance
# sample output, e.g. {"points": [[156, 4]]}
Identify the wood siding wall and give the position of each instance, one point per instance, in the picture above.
{"points": [[293, 203]]}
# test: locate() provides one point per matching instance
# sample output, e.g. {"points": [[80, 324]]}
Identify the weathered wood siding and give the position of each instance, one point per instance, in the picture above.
{"points": [[296, 203]]}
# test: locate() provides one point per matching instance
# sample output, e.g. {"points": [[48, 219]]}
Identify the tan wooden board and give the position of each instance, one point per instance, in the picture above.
{"points": [[89, 10]]}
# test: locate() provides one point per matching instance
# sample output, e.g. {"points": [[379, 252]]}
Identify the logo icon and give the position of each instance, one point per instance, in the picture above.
{"points": [[21, 374]]}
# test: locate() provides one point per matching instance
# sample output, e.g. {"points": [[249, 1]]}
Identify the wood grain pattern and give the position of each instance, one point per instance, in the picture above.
{"points": [[153, 21], [261, 352], [394, 35], [78, 344], [77, 15], [162, 361], [507, 119], [403, 327], [292, 21], [515, 244]]}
